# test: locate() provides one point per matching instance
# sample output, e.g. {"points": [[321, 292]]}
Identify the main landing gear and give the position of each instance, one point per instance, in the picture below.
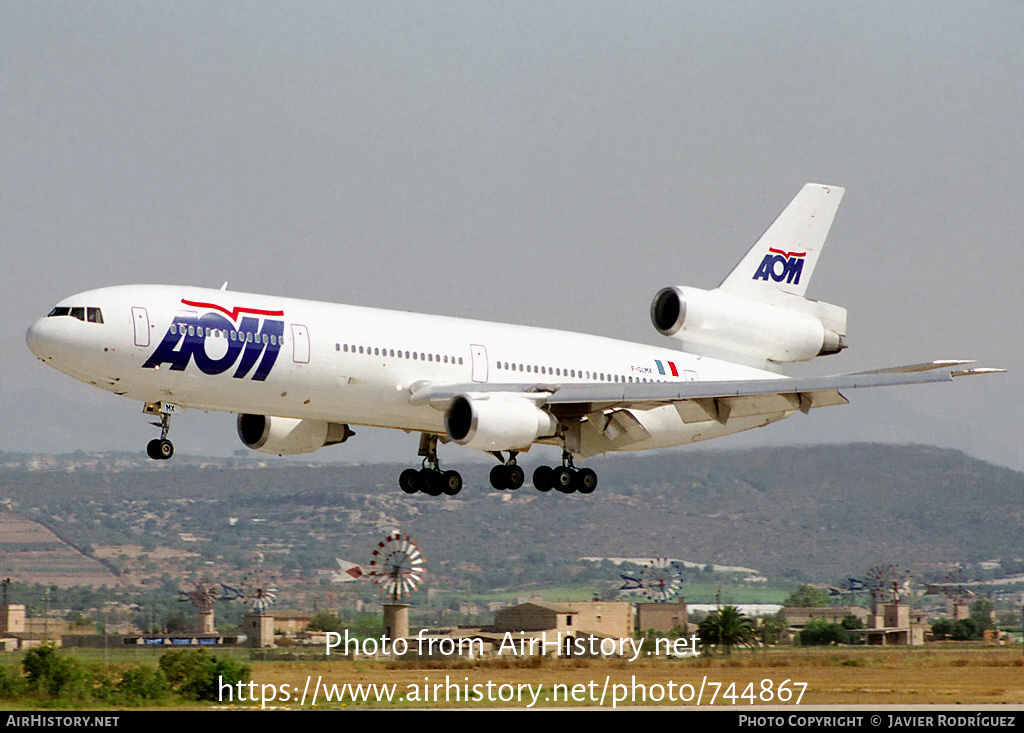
{"points": [[565, 478], [508, 475], [430, 479], [160, 449]]}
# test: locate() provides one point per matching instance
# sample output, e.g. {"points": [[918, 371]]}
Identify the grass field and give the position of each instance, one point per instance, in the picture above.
{"points": [[832, 676]]}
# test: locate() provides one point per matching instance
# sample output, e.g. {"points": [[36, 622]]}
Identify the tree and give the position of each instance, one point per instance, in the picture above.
{"points": [[807, 596], [981, 612], [966, 629], [819, 632], [325, 621], [851, 622], [727, 628], [771, 629], [942, 628]]}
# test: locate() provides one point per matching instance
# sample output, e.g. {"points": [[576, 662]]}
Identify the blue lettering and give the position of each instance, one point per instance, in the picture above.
{"points": [[186, 340], [779, 268], [257, 343], [796, 266]]}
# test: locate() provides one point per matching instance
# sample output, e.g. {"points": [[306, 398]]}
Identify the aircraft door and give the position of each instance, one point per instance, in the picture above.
{"points": [[479, 356], [140, 319], [300, 344]]}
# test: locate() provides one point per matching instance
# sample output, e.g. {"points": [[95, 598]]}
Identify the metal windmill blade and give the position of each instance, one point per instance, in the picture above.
{"points": [[258, 594], [397, 566], [660, 580]]}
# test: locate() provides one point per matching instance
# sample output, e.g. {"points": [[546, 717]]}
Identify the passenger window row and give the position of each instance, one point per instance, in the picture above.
{"points": [[246, 336], [501, 365], [398, 353], [572, 373]]}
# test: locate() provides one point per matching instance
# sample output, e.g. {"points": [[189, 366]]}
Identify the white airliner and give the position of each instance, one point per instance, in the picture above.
{"points": [[299, 373]]}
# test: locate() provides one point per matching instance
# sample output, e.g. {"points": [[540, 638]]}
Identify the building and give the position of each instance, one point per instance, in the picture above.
{"points": [[600, 618], [891, 624], [663, 618]]}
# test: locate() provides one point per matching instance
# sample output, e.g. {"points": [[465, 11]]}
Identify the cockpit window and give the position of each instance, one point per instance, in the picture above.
{"points": [[92, 315]]}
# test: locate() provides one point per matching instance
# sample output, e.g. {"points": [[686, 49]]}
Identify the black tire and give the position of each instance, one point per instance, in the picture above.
{"points": [[542, 478], [431, 482], [586, 481], [561, 479], [499, 477], [165, 449], [515, 476], [451, 483], [409, 481], [153, 449]]}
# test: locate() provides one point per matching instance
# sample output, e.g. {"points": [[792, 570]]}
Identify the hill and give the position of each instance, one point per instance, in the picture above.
{"points": [[820, 512]]}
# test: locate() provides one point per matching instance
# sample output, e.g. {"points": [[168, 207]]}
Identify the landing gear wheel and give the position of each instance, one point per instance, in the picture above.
{"points": [[514, 477], [499, 477], [431, 481], [562, 479], [543, 479], [160, 450], [451, 483], [585, 481], [409, 481]]}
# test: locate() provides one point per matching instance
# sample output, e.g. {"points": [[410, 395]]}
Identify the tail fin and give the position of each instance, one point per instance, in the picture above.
{"points": [[783, 259]]}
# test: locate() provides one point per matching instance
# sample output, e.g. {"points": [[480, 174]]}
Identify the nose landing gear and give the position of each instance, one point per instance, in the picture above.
{"points": [[160, 449]]}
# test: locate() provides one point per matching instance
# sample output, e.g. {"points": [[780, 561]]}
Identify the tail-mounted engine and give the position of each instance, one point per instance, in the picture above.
{"points": [[716, 324]]}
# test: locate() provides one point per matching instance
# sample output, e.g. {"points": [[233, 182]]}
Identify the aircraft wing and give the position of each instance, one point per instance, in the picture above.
{"points": [[700, 401]]}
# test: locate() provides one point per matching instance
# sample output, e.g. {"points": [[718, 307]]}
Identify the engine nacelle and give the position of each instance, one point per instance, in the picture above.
{"points": [[714, 323], [287, 436], [496, 422]]}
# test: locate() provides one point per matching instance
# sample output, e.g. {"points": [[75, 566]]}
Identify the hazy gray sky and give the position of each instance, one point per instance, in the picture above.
{"points": [[534, 162]]}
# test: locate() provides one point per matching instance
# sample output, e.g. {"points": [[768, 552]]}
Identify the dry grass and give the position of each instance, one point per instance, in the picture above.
{"points": [[847, 676]]}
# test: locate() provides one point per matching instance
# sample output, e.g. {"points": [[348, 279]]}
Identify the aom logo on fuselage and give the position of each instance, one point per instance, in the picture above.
{"points": [[189, 336], [779, 265]]}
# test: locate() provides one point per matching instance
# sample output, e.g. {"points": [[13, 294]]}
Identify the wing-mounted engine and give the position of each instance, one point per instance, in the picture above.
{"points": [[497, 421], [286, 436], [721, 325]]}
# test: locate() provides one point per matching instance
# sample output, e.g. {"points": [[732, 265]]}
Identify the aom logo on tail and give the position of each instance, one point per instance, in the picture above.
{"points": [[780, 265], [216, 344]]}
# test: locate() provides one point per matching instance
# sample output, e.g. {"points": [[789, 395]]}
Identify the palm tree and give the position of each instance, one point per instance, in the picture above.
{"points": [[727, 628]]}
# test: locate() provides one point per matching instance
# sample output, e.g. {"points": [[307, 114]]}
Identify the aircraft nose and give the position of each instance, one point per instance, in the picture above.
{"points": [[37, 340]]}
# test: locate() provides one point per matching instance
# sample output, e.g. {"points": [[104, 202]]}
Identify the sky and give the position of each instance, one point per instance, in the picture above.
{"points": [[550, 164]]}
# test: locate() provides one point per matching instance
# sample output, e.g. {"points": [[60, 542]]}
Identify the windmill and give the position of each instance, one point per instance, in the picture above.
{"points": [[659, 580], [397, 566], [258, 593], [887, 584], [202, 596]]}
